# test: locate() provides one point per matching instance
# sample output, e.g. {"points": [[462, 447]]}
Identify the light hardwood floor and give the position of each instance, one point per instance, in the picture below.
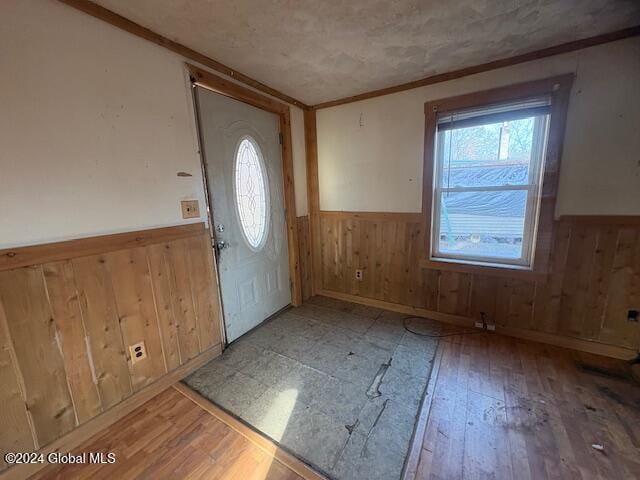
{"points": [[502, 408], [511, 409], [171, 437]]}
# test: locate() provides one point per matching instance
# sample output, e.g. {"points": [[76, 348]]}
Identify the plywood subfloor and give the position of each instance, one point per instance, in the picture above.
{"points": [[510, 409], [170, 437], [338, 386]]}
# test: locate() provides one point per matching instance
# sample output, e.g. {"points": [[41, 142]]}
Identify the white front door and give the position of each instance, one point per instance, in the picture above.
{"points": [[243, 160]]}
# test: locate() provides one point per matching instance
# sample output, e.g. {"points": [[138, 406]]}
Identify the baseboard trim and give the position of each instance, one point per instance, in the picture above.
{"points": [[412, 462], [269, 447], [84, 432], [597, 348], [400, 308]]}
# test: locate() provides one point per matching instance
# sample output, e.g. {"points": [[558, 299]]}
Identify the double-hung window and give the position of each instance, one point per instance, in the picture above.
{"points": [[492, 162], [488, 174]]}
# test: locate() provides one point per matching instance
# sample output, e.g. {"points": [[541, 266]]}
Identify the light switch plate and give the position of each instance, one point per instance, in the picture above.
{"points": [[190, 208]]}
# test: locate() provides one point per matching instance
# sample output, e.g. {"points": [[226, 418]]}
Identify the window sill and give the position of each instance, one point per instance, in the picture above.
{"points": [[491, 270]]}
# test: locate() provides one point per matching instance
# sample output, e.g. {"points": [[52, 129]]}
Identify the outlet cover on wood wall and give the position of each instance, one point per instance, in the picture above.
{"points": [[190, 208], [138, 352]]}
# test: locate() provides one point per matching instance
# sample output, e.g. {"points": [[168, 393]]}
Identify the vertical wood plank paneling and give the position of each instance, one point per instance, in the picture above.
{"points": [[205, 290], [483, 297], [578, 267], [378, 245], [325, 265], [430, 281], [161, 282], [521, 304], [182, 300], [593, 280], [624, 292], [131, 283], [341, 260], [346, 253], [454, 293], [397, 264], [35, 340], [354, 245], [15, 431], [413, 294], [503, 302], [387, 260], [367, 259], [101, 322], [306, 265], [66, 323], [598, 285], [549, 294], [63, 295]]}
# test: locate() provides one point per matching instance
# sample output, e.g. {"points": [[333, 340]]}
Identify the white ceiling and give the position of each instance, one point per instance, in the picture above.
{"points": [[322, 50]]}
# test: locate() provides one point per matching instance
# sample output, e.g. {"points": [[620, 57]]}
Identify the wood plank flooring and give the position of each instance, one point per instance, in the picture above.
{"points": [[511, 409], [170, 437]]}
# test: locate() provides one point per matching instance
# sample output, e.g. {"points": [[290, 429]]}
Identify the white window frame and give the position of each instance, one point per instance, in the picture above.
{"points": [[532, 208]]}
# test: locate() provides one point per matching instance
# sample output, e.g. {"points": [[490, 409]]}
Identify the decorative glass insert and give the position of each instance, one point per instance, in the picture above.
{"points": [[251, 192]]}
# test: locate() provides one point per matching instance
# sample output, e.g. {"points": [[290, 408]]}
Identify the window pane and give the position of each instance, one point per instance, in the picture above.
{"points": [[251, 195], [487, 155], [482, 223]]}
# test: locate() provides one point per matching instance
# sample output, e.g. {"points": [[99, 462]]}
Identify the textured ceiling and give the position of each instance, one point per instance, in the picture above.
{"points": [[321, 50]]}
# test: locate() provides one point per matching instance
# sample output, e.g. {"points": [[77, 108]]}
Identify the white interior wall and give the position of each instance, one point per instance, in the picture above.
{"points": [[95, 125], [370, 153]]}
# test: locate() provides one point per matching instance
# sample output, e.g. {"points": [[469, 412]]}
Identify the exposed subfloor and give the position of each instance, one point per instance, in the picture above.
{"points": [[336, 384]]}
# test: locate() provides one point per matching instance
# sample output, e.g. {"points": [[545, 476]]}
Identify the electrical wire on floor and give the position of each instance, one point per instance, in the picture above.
{"points": [[442, 335]]}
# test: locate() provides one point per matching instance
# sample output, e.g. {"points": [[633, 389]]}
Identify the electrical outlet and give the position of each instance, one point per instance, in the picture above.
{"points": [[138, 352], [482, 323], [190, 208], [359, 274]]}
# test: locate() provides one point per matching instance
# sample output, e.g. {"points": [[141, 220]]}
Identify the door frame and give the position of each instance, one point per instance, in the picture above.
{"points": [[216, 84]]}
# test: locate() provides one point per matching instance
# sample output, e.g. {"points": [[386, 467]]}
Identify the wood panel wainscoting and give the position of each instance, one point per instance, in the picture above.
{"points": [[304, 254], [582, 303], [69, 313]]}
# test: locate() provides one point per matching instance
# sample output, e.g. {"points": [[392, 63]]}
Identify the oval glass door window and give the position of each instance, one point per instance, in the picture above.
{"points": [[251, 192]]}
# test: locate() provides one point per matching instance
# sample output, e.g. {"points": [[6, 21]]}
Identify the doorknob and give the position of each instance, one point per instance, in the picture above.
{"points": [[221, 245]]}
